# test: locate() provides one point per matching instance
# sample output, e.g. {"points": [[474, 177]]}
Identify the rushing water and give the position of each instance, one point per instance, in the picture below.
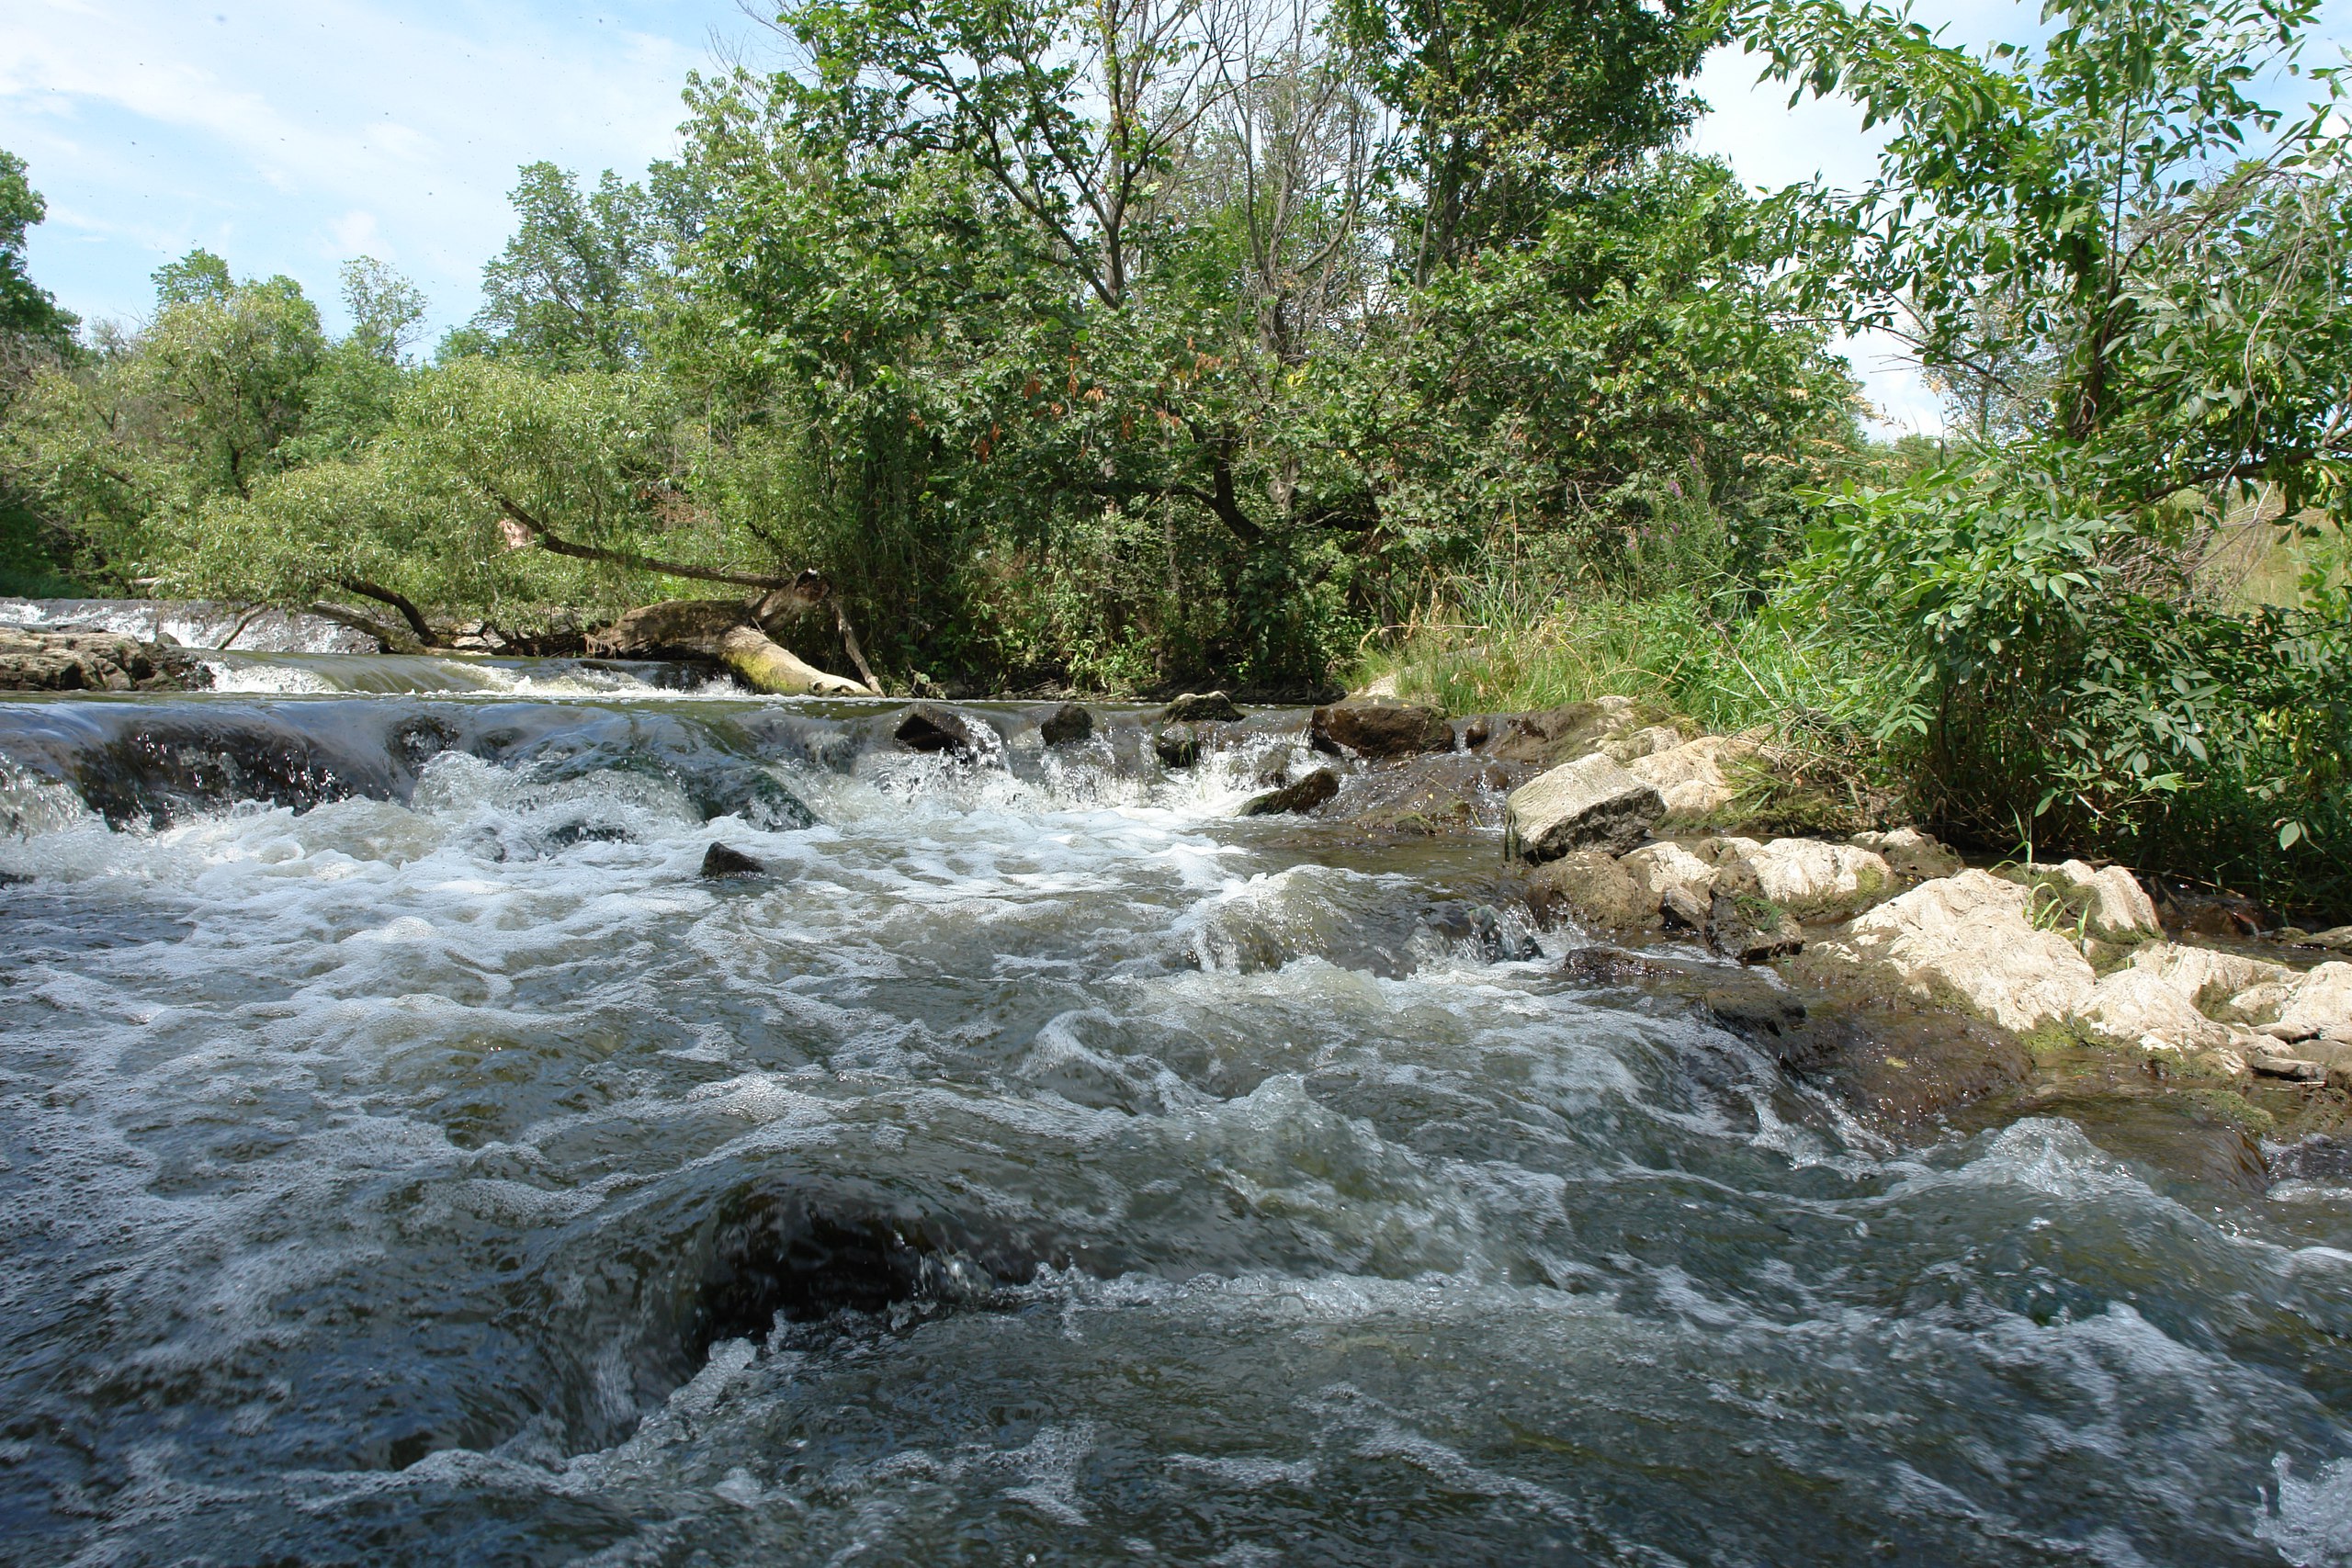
{"points": [[405, 1157]]}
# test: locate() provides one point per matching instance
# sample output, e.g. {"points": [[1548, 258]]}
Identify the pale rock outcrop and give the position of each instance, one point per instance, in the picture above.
{"points": [[1664, 867], [1590, 803], [2205, 976], [1725, 849], [1968, 936], [1911, 852], [1691, 778], [2117, 907], [1815, 881], [2135, 1005], [2320, 1001], [1651, 740]]}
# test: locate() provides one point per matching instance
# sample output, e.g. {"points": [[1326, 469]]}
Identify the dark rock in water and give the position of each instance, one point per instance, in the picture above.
{"points": [[787, 1257], [1430, 794], [1751, 928], [2319, 1159], [1379, 730], [1177, 746], [1500, 941], [1196, 706], [1067, 725], [95, 661], [565, 835], [1617, 966], [931, 728], [1307, 794], [719, 861], [10, 878]]}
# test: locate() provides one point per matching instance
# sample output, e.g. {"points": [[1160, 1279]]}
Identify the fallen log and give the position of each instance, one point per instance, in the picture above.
{"points": [[725, 631]]}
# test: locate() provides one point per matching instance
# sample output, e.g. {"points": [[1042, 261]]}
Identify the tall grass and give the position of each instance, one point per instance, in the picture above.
{"points": [[1496, 644]]}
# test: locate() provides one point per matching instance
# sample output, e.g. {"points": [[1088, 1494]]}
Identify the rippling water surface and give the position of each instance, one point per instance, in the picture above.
{"points": [[1035, 1164]]}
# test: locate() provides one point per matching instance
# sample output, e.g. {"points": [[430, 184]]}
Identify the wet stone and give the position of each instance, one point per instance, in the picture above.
{"points": [[1177, 746], [1379, 730], [1198, 706], [1067, 725], [931, 728], [1305, 794], [719, 861]]}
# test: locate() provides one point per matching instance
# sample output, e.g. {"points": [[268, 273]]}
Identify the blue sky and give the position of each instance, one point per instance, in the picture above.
{"points": [[290, 135]]}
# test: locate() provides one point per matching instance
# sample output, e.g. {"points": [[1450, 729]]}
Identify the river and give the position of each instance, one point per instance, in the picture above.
{"points": [[407, 1157]]}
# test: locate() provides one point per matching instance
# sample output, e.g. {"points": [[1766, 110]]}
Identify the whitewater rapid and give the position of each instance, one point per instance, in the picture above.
{"points": [[406, 1155]]}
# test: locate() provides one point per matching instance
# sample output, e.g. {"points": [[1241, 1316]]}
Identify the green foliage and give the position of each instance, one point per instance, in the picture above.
{"points": [[1514, 105], [27, 311]]}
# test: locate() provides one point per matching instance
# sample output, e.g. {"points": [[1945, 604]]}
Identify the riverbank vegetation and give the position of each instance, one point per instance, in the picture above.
{"points": [[1270, 344]]}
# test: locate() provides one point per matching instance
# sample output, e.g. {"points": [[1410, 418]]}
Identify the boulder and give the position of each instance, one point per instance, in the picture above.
{"points": [[1811, 880], [93, 661], [1648, 741], [931, 728], [1379, 730], [1434, 793], [1194, 707], [2320, 1001], [1750, 929], [1590, 803], [1303, 794], [2137, 1006], [2213, 981], [2336, 938], [719, 860], [1665, 868], [1968, 936], [1690, 777], [1554, 736], [1911, 853], [1591, 888], [1067, 725], [1177, 745], [2109, 902]]}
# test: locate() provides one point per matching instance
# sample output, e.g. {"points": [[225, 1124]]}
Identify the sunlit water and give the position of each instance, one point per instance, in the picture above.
{"points": [[1036, 1165]]}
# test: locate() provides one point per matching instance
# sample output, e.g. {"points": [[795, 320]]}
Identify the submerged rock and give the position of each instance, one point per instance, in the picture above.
{"points": [[1303, 795], [1067, 725], [1194, 707], [719, 860], [1379, 730], [1590, 803]]}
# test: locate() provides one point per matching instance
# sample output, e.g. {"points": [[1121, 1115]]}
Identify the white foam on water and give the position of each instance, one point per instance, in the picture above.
{"points": [[2311, 1521]]}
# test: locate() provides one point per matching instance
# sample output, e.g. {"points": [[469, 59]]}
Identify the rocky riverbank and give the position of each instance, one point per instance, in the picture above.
{"points": [[1879, 964], [93, 661]]}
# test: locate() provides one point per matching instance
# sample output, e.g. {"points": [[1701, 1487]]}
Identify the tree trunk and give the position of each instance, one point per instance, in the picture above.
{"points": [[724, 631]]}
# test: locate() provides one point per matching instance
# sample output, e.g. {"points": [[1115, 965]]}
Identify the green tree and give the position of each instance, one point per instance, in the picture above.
{"points": [[1512, 106], [27, 312], [580, 285]]}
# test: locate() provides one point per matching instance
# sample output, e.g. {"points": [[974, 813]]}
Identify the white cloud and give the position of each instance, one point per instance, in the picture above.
{"points": [[270, 129]]}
